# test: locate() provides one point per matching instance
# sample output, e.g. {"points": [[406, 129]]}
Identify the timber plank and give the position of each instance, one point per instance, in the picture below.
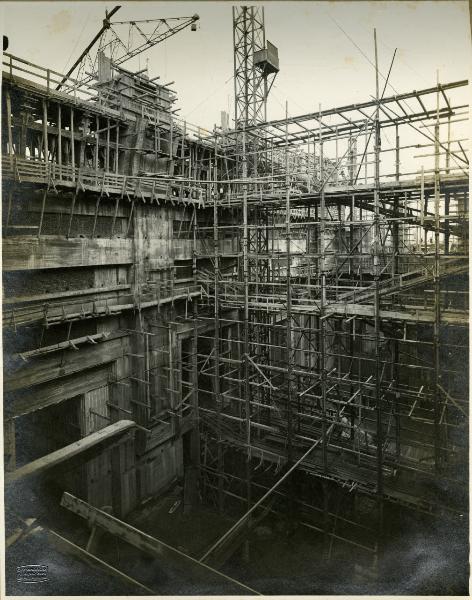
{"points": [[63, 454], [51, 252]]}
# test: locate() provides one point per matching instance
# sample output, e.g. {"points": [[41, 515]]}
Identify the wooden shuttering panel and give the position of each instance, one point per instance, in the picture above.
{"points": [[95, 415], [94, 412], [27, 252], [161, 468]]}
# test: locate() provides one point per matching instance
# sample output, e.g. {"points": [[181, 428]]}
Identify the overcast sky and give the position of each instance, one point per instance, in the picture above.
{"points": [[319, 62]]}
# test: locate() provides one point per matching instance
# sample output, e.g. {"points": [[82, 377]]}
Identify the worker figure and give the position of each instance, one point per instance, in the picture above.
{"points": [[346, 429]]}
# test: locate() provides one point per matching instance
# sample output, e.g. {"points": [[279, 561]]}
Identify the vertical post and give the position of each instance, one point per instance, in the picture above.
{"points": [[395, 236], [10, 132], [289, 334], [97, 141], [71, 213], [182, 151], [337, 155], [437, 289], [397, 155], [308, 167], [147, 374], [72, 142], [156, 120], [171, 145], [235, 79], [351, 235], [195, 439], [172, 379], [117, 145], [107, 155], [190, 165], [45, 131], [376, 269], [351, 161], [59, 138], [41, 216], [354, 160], [422, 197], [83, 142], [216, 339], [22, 142], [447, 203], [254, 145], [396, 404], [322, 325], [247, 388], [448, 153], [95, 216]]}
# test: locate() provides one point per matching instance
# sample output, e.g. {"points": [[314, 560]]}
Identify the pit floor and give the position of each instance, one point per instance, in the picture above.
{"points": [[418, 559]]}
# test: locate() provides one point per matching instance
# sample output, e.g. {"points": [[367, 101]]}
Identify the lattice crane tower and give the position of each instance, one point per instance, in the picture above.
{"points": [[256, 64]]}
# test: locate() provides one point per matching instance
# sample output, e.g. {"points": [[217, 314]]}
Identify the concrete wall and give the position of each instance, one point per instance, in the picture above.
{"points": [[71, 256]]}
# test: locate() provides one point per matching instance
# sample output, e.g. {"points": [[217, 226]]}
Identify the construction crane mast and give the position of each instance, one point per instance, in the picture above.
{"points": [[256, 64]]}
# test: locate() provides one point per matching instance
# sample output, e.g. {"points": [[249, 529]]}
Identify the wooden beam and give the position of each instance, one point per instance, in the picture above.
{"points": [[412, 315], [54, 367], [29, 526], [65, 544], [68, 452], [62, 204], [54, 392], [192, 567], [21, 252], [93, 339], [67, 294]]}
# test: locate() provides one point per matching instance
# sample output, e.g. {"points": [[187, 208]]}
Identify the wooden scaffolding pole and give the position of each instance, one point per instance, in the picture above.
{"points": [[216, 339], [377, 273]]}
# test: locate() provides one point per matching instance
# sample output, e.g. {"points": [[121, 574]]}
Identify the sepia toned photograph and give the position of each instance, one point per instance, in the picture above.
{"points": [[235, 298]]}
